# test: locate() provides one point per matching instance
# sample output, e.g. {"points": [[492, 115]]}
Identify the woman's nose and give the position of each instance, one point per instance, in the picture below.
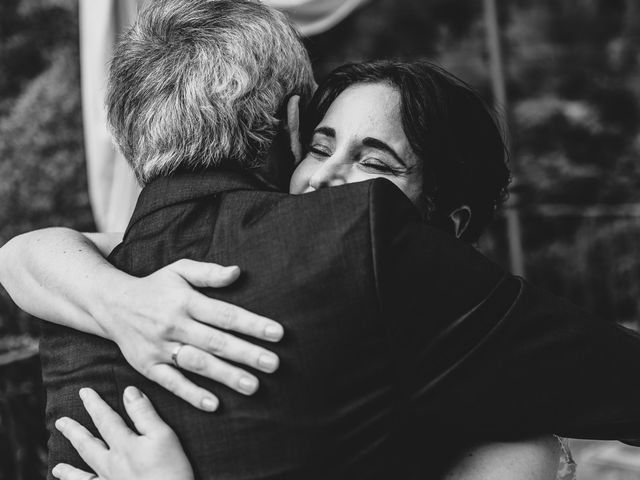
{"points": [[331, 173]]}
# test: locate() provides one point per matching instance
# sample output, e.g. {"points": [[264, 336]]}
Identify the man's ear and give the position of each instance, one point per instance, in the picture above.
{"points": [[460, 217], [293, 127]]}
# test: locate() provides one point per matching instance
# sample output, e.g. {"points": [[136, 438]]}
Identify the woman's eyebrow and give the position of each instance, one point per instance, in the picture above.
{"points": [[380, 145], [326, 131]]}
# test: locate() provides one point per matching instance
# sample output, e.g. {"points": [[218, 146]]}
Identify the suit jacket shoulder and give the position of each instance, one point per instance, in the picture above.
{"points": [[501, 357]]}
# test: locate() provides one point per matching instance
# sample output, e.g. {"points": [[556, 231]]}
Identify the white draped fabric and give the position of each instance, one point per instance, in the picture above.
{"points": [[112, 187], [316, 16]]}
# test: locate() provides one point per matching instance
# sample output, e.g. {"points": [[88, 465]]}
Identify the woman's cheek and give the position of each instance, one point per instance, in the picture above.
{"points": [[412, 188]]}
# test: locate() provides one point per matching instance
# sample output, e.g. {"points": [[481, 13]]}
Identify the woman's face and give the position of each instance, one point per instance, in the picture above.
{"points": [[360, 138]]}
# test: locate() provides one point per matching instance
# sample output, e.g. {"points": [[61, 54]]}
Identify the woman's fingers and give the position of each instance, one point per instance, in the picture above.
{"points": [[229, 317], [91, 449], [202, 274], [171, 379], [206, 328], [142, 413], [197, 361], [227, 346], [215, 312], [67, 472], [110, 425]]}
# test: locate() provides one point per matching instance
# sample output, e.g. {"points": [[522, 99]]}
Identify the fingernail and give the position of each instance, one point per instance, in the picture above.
{"points": [[268, 362], [209, 404], [82, 393], [55, 471], [61, 423], [248, 385], [274, 332], [131, 394], [232, 269]]}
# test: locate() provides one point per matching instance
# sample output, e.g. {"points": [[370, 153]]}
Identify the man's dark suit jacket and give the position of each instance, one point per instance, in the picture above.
{"points": [[398, 337]]}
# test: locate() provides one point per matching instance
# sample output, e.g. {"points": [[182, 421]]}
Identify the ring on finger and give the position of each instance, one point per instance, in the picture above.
{"points": [[174, 355]]}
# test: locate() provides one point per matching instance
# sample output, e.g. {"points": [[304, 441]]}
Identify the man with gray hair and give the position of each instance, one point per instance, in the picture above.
{"points": [[197, 98], [196, 85]]}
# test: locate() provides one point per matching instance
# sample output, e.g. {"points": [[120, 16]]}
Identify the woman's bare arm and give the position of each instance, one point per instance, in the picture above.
{"points": [[530, 459], [61, 276], [55, 274]]}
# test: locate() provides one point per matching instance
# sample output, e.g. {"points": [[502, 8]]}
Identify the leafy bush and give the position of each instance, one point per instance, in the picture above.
{"points": [[41, 153], [42, 183]]}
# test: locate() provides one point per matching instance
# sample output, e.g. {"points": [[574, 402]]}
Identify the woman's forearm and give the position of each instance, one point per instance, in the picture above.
{"points": [[56, 274], [61, 276]]}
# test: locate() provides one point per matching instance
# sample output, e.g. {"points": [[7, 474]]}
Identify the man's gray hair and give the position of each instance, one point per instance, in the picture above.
{"points": [[202, 83]]}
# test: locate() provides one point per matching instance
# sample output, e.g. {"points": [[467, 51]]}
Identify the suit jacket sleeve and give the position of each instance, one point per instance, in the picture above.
{"points": [[484, 354]]}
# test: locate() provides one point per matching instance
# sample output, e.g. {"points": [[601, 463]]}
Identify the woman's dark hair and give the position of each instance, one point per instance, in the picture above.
{"points": [[450, 128]]}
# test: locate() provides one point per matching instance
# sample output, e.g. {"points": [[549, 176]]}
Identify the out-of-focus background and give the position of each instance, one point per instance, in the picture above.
{"points": [[572, 107]]}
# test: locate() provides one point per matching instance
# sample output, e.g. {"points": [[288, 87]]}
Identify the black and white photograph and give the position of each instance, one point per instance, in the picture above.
{"points": [[319, 240]]}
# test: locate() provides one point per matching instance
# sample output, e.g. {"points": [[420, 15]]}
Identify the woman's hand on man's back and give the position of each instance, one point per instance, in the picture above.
{"points": [[61, 276], [160, 320], [152, 453]]}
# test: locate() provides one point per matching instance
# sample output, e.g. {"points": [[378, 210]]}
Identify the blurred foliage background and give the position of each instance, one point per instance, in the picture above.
{"points": [[573, 78]]}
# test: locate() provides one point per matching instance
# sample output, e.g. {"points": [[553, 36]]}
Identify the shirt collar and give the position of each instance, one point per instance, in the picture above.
{"points": [[184, 186]]}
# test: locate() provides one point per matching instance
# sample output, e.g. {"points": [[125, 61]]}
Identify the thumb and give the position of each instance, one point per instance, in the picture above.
{"points": [[202, 274], [141, 411]]}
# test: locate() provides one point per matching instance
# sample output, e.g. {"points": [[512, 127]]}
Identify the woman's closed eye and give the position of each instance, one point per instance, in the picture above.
{"points": [[320, 151], [376, 165]]}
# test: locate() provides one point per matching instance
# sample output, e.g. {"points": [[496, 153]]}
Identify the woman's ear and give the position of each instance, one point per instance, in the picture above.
{"points": [[460, 217], [293, 127]]}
